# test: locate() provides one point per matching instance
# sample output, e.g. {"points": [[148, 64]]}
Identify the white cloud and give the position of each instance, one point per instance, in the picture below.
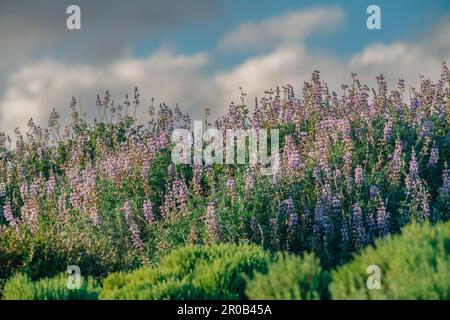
{"points": [[35, 89], [290, 27]]}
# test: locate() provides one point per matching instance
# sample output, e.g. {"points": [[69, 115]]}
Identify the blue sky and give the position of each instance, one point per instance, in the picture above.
{"points": [[401, 19], [199, 52]]}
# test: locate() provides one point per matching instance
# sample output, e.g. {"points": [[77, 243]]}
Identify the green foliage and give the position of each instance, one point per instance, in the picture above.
{"points": [[192, 272], [290, 278], [21, 287], [414, 265]]}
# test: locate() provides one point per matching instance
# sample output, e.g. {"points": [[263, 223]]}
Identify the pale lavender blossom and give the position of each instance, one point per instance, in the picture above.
{"points": [[359, 178], [148, 211], [412, 179], [359, 232], [388, 130], [382, 219], [2, 189], [231, 185], [135, 233], [249, 182], [434, 156], [212, 220], [7, 212]]}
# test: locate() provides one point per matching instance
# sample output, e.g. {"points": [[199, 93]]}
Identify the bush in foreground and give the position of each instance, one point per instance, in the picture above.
{"points": [[414, 265], [192, 272], [291, 278], [21, 287]]}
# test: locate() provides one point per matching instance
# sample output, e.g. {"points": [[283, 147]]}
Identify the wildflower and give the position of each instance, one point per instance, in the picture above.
{"points": [[388, 130], [359, 178], [230, 185], [359, 232], [148, 211], [95, 217], [7, 212], [212, 221], [30, 216], [396, 163], [345, 236], [51, 184], [434, 156], [254, 224], [382, 219], [2, 189], [445, 188], [322, 225], [249, 182], [291, 153], [413, 176], [197, 177], [373, 192], [135, 234]]}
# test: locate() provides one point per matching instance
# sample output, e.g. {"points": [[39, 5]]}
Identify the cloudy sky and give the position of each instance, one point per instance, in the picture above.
{"points": [[198, 52]]}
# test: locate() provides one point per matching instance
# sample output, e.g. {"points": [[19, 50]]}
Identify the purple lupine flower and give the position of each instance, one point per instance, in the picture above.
{"points": [[372, 227], [291, 153], [254, 224], [197, 177], [135, 234], [148, 211], [373, 192], [287, 210], [445, 188], [2, 189], [425, 207], [359, 178], [95, 217], [273, 222], [434, 156], [7, 212], [382, 219], [249, 182], [388, 130], [212, 221], [336, 203], [412, 178], [359, 232], [180, 190], [287, 207], [24, 191], [345, 235], [30, 217], [62, 207], [396, 162], [230, 185], [51, 184], [322, 225]]}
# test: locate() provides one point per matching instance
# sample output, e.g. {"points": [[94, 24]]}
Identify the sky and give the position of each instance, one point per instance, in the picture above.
{"points": [[199, 52]]}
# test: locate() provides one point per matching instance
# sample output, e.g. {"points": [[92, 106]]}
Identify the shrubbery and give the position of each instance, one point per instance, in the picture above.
{"points": [[192, 272], [291, 278], [414, 265], [21, 287]]}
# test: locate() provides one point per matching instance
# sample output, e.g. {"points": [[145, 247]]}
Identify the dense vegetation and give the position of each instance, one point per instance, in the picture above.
{"points": [[105, 195]]}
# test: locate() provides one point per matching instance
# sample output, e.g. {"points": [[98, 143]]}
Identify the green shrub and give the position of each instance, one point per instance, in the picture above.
{"points": [[414, 265], [192, 272], [290, 278], [21, 287]]}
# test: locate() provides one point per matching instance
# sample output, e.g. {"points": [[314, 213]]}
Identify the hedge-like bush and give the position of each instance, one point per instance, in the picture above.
{"points": [[414, 265], [291, 278], [192, 272], [21, 287]]}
